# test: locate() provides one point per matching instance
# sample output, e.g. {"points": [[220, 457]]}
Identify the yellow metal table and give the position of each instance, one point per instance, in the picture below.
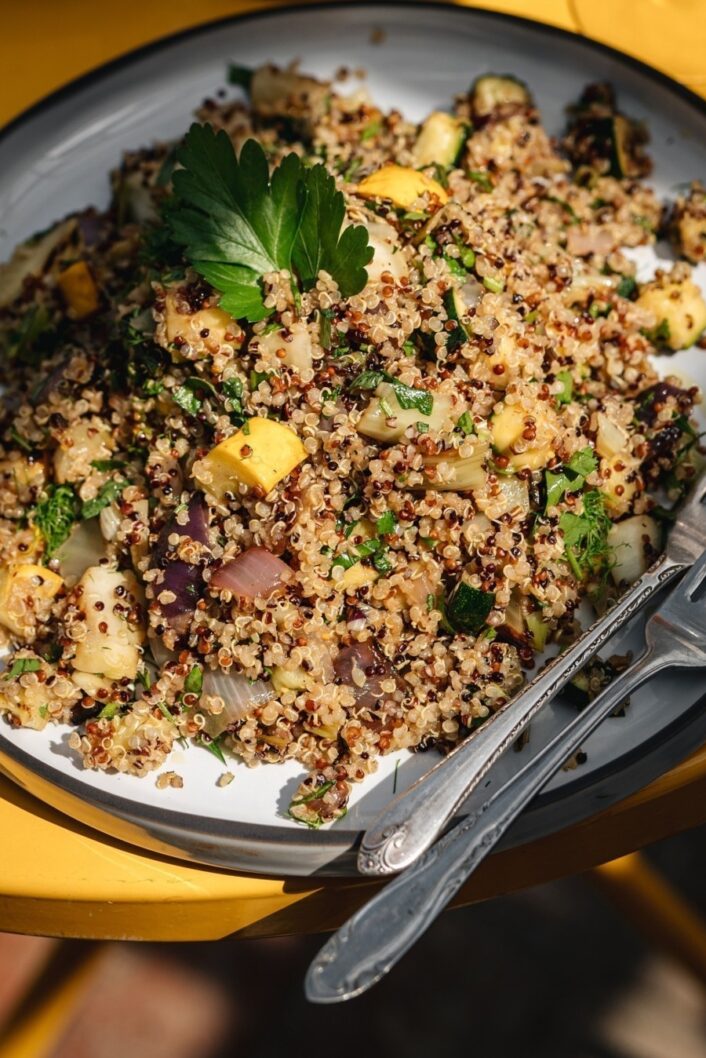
{"points": [[57, 877]]}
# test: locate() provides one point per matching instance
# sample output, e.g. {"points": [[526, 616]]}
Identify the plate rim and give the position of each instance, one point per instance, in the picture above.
{"points": [[300, 841]]}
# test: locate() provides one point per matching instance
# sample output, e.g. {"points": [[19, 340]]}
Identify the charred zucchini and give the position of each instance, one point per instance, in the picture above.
{"points": [[440, 140], [491, 94], [603, 139]]}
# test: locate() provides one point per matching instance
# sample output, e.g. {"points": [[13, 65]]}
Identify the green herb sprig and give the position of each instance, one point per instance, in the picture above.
{"points": [[236, 223]]}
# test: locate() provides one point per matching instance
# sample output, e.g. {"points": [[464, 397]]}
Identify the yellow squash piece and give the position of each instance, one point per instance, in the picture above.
{"points": [[112, 644], [25, 591], [679, 308], [259, 456], [208, 327], [79, 289], [507, 426], [357, 577], [401, 186]]}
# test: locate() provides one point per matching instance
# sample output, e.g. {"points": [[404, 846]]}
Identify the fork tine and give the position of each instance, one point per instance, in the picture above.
{"points": [[680, 605]]}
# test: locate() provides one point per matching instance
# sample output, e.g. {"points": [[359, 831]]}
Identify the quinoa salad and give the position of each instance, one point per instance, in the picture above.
{"points": [[319, 435]]}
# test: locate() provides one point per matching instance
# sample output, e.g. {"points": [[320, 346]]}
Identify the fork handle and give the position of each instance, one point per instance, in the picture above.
{"points": [[413, 820], [378, 935]]}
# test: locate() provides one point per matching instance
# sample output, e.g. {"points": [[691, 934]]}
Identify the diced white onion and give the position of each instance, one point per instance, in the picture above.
{"points": [[239, 695], [85, 547]]}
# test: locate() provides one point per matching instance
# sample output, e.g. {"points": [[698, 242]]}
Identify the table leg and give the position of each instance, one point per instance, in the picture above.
{"points": [[656, 909], [37, 1023]]}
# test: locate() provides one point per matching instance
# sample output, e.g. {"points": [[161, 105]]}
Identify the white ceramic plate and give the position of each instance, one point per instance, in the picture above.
{"points": [[56, 158]]}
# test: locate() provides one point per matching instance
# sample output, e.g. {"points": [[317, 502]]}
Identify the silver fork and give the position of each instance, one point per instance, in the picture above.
{"points": [[413, 820], [373, 940]]}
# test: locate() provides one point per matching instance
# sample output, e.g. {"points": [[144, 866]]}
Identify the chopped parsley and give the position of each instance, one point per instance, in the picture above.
{"points": [[480, 177], [193, 684], [22, 665], [106, 495], [572, 476], [109, 711], [236, 223], [407, 396], [566, 394], [55, 515], [465, 424], [627, 287]]}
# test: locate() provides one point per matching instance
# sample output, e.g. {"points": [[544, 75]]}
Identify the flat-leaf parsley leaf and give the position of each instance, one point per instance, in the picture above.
{"points": [[237, 223]]}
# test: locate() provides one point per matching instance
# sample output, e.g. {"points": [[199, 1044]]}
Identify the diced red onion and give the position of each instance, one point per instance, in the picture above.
{"points": [[256, 573], [182, 578], [240, 695], [358, 661]]}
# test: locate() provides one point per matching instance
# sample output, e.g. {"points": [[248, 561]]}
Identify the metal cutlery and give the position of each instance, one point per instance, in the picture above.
{"points": [[414, 819], [377, 936]]}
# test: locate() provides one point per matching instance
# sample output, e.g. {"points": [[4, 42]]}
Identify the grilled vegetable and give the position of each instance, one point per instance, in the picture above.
{"points": [[601, 138], [26, 591], [112, 644], [402, 186], [688, 224], [259, 455], [440, 140], [679, 310], [635, 544], [491, 94]]}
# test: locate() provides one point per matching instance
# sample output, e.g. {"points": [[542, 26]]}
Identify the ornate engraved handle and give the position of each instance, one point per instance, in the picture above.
{"points": [[376, 937], [413, 820]]}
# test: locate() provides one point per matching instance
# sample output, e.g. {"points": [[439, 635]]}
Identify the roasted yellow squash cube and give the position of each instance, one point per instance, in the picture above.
{"points": [[679, 309], [357, 577], [507, 426], [259, 455], [401, 186], [26, 591], [79, 289]]}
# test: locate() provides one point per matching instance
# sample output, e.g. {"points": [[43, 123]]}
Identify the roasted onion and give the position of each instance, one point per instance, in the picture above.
{"points": [[363, 669], [256, 573], [239, 695]]}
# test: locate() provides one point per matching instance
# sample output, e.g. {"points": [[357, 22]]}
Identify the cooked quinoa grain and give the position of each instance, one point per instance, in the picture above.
{"points": [[326, 493]]}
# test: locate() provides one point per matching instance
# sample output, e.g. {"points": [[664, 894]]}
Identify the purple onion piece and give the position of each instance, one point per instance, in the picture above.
{"points": [[376, 668], [184, 579]]}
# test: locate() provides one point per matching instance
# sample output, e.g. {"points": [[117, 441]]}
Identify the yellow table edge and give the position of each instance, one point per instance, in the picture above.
{"points": [[57, 877]]}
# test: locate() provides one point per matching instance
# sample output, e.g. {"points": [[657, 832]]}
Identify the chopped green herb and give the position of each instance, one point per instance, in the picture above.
{"points": [[20, 440], [455, 267], [572, 477], [152, 388], [22, 665], [566, 394], [325, 318], [495, 286], [468, 257], [109, 711], [164, 710], [55, 515], [240, 75], [108, 464], [143, 677], [429, 542], [422, 427], [627, 287], [409, 348], [372, 129], [315, 794], [257, 378], [586, 535], [187, 399], [193, 684], [213, 746], [480, 177], [106, 495], [236, 223], [387, 523], [465, 424], [407, 396]]}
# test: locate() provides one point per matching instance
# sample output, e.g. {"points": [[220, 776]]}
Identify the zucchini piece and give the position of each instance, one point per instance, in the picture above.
{"points": [[386, 421], [600, 137], [467, 607], [491, 92], [634, 543], [455, 310], [440, 140]]}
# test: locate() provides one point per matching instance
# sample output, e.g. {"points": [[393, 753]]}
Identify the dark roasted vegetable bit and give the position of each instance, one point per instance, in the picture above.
{"points": [[601, 138]]}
